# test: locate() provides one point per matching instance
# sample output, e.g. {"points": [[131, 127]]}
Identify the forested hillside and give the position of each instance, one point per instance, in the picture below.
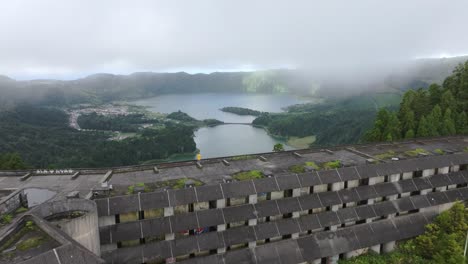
{"points": [[337, 121], [437, 111], [42, 138]]}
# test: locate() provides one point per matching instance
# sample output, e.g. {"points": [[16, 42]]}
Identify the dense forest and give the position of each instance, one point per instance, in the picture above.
{"points": [[240, 111], [11, 161], [42, 138], [123, 123], [338, 121], [442, 243], [437, 111]]}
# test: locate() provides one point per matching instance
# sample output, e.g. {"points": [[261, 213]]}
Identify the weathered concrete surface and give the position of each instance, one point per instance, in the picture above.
{"points": [[83, 229], [12, 202]]}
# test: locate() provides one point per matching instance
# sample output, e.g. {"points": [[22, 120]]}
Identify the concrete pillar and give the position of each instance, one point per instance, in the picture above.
{"points": [[389, 247], [424, 192], [106, 220], [353, 183], [455, 168], [428, 172], [443, 170], [441, 189], [407, 175], [304, 190], [253, 199], [376, 248], [320, 188], [375, 180], [394, 177], [277, 195], [168, 211], [333, 259], [317, 261], [337, 186], [219, 229], [252, 222], [296, 192], [352, 254]]}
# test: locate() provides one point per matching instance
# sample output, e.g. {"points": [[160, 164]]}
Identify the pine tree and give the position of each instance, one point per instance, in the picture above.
{"points": [[448, 127], [461, 124], [447, 101], [435, 93], [409, 134], [423, 130], [392, 129], [432, 125], [436, 120]]}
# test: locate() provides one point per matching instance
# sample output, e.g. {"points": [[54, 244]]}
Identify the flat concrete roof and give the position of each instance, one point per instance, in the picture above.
{"points": [[214, 170]]}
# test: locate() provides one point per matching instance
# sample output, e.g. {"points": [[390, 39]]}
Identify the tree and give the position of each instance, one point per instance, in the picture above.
{"points": [[461, 124], [278, 147], [435, 119], [435, 93], [448, 101], [409, 134], [11, 161], [444, 238], [448, 127], [423, 130]]}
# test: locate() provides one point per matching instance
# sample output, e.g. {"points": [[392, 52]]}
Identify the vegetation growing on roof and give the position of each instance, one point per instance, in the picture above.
{"points": [[301, 168], [180, 183], [248, 175], [131, 188], [416, 152], [332, 165], [439, 151], [387, 155]]}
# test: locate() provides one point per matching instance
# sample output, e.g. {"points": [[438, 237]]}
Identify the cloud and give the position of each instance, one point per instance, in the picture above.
{"points": [[49, 38]]}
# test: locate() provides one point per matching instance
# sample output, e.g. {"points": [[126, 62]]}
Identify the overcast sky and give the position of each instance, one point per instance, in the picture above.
{"points": [[67, 39]]}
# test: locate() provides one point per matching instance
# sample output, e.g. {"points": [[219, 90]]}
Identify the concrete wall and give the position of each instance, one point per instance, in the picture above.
{"points": [[83, 229], [12, 202]]}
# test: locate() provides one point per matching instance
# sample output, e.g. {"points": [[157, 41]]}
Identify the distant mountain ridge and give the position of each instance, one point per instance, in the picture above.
{"points": [[105, 87]]}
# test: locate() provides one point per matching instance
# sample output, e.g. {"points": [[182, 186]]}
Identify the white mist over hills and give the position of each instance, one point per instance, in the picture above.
{"points": [[57, 39]]}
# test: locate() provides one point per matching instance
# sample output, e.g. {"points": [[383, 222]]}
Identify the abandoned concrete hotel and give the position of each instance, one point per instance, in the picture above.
{"points": [[305, 206]]}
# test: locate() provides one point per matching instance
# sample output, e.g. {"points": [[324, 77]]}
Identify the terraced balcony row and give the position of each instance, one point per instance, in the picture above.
{"points": [[207, 218], [170, 198], [319, 245]]}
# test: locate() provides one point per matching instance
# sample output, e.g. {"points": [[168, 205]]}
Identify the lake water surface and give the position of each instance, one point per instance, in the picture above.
{"points": [[225, 140]]}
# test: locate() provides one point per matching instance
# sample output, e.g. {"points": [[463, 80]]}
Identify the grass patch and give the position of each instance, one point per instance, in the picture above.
{"points": [[298, 168], [6, 218], [131, 188], [180, 183], [387, 155], [416, 152], [248, 175], [332, 165], [465, 149], [439, 151], [243, 157], [21, 210], [32, 242], [312, 164], [301, 143], [301, 168]]}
